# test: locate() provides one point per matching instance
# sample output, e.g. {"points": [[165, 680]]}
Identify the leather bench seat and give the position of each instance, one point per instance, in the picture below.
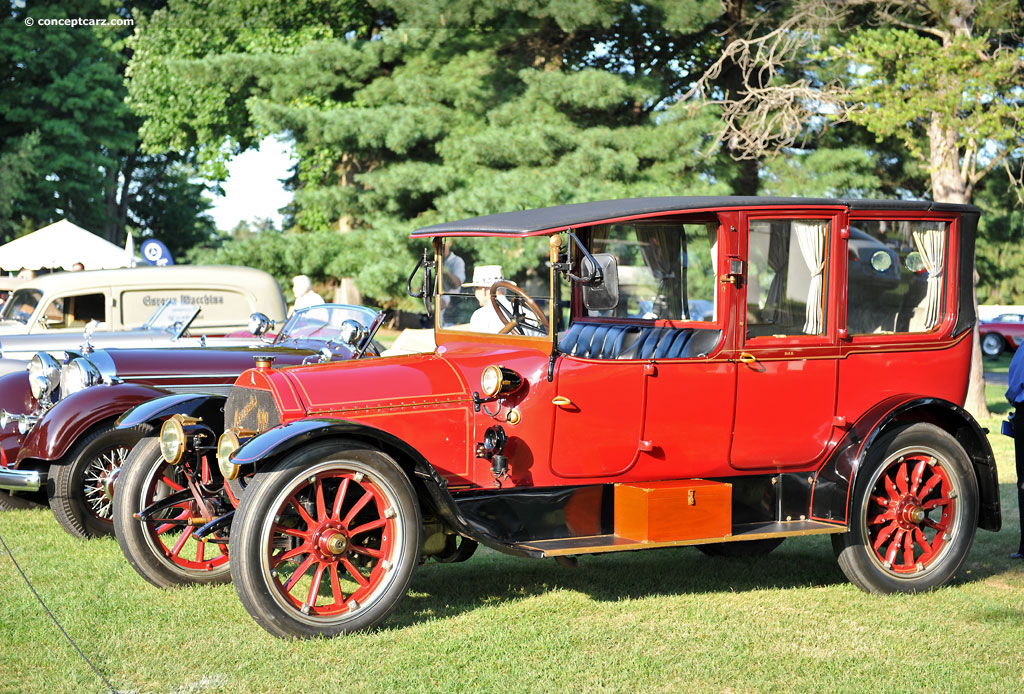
{"points": [[618, 341]]}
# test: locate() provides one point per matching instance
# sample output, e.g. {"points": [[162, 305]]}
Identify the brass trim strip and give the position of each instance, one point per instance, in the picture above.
{"points": [[393, 406]]}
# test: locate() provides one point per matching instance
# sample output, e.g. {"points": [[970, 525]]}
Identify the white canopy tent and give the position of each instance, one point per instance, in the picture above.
{"points": [[61, 245]]}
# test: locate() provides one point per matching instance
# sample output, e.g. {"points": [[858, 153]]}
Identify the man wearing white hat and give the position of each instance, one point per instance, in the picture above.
{"points": [[485, 319]]}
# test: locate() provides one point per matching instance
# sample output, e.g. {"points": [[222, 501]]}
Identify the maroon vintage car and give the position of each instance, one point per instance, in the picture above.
{"points": [[1005, 333], [58, 435], [575, 404]]}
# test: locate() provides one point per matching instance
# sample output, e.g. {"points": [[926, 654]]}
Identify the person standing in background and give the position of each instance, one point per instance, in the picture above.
{"points": [[302, 288], [1014, 427]]}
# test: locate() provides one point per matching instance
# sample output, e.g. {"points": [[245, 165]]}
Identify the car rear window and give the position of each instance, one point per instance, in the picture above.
{"points": [[895, 275]]}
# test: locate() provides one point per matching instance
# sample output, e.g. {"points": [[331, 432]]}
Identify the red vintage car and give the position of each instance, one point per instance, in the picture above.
{"points": [[1004, 333], [575, 404], [58, 437]]}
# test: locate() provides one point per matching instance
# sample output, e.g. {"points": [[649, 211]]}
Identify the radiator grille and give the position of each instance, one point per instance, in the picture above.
{"points": [[247, 408]]}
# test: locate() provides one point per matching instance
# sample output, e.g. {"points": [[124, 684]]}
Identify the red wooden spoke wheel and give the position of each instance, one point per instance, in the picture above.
{"points": [[325, 548], [914, 512], [911, 508], [346, 537], [161, 548], [171, 530]]}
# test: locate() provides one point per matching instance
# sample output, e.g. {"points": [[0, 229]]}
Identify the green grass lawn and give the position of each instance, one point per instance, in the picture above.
{"points": [[662, 621], [1000, 364]]}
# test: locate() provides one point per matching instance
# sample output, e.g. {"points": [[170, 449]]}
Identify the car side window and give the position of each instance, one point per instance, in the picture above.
{"points": [[666, 270], [895, 275], [787, 263], [75, 311]]}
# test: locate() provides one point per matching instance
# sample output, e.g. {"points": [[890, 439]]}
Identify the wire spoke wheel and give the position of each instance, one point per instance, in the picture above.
{"points": [[82, 483], [162, 548], [914, 513], [98, 501], [327, 548]]}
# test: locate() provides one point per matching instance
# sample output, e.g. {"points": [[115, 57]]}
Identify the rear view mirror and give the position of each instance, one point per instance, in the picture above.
{"points": [[602, 296]]}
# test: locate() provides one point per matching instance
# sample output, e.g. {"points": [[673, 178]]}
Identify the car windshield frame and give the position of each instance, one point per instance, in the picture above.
{"points": [[172, 318], [536, 277], [319, 316]]}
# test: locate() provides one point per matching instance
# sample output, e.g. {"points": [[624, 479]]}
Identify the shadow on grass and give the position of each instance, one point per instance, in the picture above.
{"points": [[801, 562], [490, 578]]}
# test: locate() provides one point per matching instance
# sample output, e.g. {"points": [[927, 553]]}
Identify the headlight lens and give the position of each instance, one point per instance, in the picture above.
{"points": [[226, 445], [43, 375], [490, 380], [172, 440], [78, 375], [497, 379]]}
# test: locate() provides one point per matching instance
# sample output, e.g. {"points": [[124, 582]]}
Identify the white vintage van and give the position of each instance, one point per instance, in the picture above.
{"points": [[123, 299]]}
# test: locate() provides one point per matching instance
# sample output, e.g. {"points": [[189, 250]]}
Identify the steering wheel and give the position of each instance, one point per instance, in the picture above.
{"points": [[516, 318]]}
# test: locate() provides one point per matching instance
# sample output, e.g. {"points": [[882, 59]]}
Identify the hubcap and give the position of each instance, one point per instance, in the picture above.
{"points": [[334, 543], [108, 483]]}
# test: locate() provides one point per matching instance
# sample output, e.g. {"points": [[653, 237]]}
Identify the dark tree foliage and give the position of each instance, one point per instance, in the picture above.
{"points": [[68, 141]]}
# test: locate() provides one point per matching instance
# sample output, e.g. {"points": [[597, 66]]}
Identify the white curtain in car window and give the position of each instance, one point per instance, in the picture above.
{"points": [[931, 244], [811, 236]]}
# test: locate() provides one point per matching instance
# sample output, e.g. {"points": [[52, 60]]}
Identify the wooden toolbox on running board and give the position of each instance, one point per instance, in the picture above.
{"points": [[673, 510]]}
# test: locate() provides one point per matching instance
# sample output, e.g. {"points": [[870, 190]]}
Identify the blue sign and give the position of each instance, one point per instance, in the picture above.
{"points": [[155, 253]]}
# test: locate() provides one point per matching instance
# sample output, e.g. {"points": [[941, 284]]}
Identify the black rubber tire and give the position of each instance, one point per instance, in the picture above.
{"points": [[858, 559], [22, 501], [69, 479], [741, 548], [992, 345], [134, 536], [257, 584]]}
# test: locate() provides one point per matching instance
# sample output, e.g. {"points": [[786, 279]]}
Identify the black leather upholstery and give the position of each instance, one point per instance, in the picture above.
{"points": [[610, 341]]}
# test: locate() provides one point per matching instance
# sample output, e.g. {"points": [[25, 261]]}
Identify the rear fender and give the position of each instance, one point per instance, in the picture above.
{"points": [[64, 423], [209, 408], [832, 491], [431, 488]]}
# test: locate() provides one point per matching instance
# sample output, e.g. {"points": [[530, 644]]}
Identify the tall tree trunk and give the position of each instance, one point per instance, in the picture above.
{"points": [[948, 185]]}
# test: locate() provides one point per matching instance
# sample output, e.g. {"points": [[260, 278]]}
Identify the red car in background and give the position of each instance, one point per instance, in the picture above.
{"points": [[1004, 333]]}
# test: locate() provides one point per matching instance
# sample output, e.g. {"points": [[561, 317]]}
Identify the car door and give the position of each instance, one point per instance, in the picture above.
{"points": [[639, 392], [787, 372], [599, 416]]}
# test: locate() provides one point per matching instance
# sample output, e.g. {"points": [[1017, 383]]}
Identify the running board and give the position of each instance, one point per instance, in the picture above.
{"points": [[615, 543]]}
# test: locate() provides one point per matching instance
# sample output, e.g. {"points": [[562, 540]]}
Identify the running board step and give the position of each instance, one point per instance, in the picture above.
{"points": [[616, 543]]}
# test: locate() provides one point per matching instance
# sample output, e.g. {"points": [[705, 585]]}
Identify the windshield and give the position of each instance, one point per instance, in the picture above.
{"points": [[21, 305], [171, 317], [323, 322], [495, 285]]}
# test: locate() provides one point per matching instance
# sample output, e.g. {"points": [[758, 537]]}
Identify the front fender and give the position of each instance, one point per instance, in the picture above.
{"points": [[16, 398], [432, 489], [832, 492], [74, 415], [209, 408]]}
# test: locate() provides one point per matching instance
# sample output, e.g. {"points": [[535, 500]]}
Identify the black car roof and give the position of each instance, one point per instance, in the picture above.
{"points": [[522, 222]]}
